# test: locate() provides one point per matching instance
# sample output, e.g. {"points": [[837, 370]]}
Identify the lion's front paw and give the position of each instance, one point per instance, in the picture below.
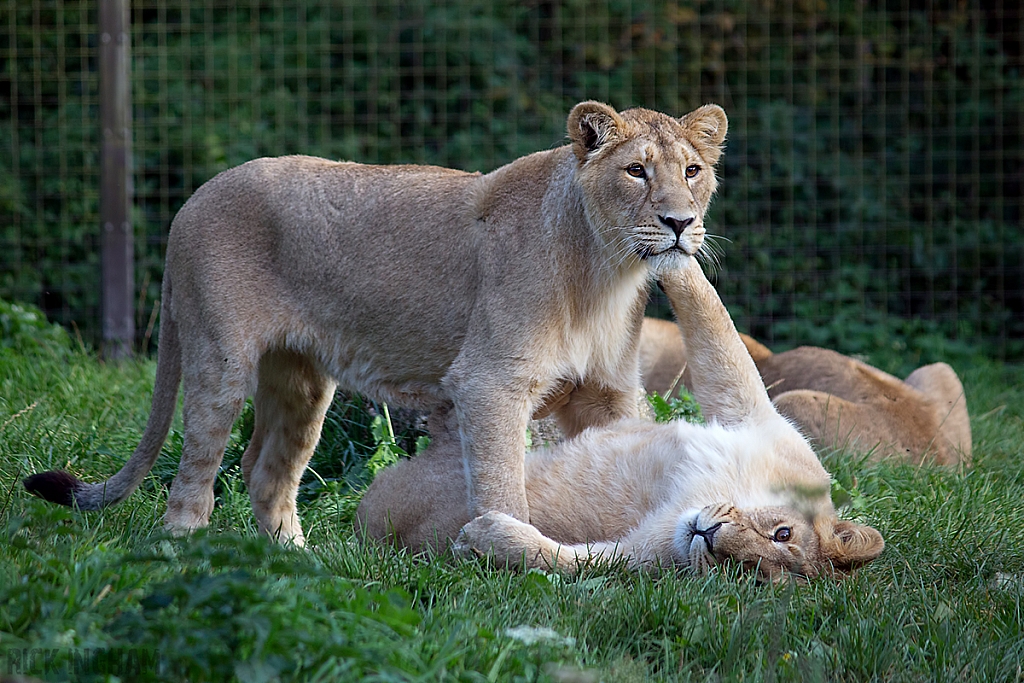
{"points": [[503, 538]]}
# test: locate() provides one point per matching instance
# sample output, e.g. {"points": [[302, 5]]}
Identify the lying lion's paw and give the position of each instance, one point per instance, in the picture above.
{"points": [[502, 537], [462, 546]]}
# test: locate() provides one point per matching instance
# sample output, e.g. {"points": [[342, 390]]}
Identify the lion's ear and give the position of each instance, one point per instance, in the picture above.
{"points": [[591, 125], [848, 544], [707, 125]]}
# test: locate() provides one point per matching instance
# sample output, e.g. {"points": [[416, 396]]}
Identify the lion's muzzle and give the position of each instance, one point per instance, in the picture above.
{"points": [[708, 535]]}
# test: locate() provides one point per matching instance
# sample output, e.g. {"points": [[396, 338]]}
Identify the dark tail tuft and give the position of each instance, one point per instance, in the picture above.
{"points": [[56, 486]]}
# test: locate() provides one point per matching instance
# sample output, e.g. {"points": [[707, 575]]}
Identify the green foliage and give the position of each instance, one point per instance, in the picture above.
{"points": [[241, 608], [682, 406], [844, 498], [388, 452], [941, 603], [868, 175], [24, 330]]}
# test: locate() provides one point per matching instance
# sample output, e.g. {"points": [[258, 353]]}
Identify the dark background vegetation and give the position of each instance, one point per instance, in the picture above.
{"points": [[871, 186]]}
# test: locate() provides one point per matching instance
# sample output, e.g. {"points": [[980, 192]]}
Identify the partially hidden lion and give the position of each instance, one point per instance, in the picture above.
{"points": [[745, 487], [420, 286], [837, 400]]}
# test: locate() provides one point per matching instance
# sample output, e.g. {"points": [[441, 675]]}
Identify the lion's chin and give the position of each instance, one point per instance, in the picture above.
{"points": [[690, 549], [671, 259]]}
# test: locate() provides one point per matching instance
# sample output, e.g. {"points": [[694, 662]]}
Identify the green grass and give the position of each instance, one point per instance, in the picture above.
{"points": [[103, 595]]}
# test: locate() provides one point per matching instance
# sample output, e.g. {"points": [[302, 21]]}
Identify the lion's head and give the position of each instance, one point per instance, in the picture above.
{"points": [[648, 178], [774, 541]]}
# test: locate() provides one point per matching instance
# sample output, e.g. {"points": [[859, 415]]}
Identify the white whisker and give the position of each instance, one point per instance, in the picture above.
{"points": [[710, 255], [618, 254], [624, 254], [711, 266], [713, 248]]}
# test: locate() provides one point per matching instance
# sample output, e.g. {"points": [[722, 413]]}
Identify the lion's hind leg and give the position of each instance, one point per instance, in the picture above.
{"points": [[419, 503], [215, 384], [939, 382], [292, 397], [593, 405]]}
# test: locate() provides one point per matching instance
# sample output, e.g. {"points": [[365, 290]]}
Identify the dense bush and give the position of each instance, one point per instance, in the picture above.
{"points": [[24, 331], [872, 181]]}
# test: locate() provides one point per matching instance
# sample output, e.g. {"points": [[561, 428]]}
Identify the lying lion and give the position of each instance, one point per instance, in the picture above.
{"points": [[838, 400], [420, 286], [745, 487]]}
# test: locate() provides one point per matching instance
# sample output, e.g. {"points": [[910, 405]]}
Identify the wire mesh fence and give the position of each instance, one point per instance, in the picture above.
{"points": [[871, 187]]}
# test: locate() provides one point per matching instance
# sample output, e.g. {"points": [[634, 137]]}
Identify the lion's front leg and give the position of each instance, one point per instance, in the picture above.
{"points": [[514, 544], [493, 457], [494, 399], [492, 414]]}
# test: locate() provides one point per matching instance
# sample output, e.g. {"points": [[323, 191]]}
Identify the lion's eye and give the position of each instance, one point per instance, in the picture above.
{"points": [[636, 170], [692, 171], [783, 534]]}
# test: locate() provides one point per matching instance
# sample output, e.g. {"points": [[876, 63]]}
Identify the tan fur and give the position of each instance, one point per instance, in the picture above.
{"points": [[663, 360], [837, 400], [420, 286], [647, 492]]}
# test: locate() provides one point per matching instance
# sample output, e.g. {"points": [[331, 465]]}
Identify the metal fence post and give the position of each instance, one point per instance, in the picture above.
{"points": [[117, 240]]}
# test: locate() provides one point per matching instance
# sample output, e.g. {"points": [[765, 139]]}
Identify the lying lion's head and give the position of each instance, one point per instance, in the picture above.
{"points": [[773, 541], [648, 178]]}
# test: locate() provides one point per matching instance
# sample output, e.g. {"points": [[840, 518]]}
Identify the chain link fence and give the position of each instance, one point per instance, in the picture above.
{"points": [[871, 193]]}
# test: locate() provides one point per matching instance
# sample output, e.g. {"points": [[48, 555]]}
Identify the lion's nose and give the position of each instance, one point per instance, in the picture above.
{"points": [[677, 225], [708, 535]]}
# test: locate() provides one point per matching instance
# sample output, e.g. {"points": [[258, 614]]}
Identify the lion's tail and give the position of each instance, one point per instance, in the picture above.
{"points": [[61, 487]]}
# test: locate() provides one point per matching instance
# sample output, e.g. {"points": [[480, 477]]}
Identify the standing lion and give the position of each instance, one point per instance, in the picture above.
{"points": [[420, 286]]}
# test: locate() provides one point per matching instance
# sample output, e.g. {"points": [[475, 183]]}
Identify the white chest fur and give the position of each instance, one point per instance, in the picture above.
{"points": [[596, 341]]}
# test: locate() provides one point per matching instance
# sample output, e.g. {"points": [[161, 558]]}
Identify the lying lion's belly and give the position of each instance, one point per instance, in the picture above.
{"points": [[601, 484]]}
